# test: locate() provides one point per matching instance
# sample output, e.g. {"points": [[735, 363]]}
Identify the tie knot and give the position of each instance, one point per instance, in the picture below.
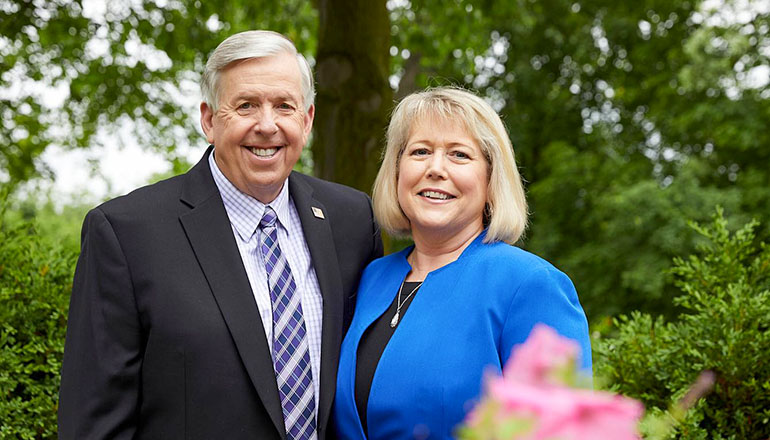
{"points": [[268, 218]]}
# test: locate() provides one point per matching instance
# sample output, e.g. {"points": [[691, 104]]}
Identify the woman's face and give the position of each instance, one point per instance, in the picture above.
{"points": [[443, 179]]}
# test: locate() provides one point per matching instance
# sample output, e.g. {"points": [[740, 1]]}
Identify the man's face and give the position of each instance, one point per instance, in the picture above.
{"points": [[261, 124]]}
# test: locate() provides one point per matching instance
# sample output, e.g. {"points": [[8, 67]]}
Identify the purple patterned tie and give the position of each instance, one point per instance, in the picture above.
{"points": [[291, 357]]}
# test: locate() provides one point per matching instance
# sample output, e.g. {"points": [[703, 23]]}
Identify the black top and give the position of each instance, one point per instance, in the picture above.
{"points": [[373, 343]]}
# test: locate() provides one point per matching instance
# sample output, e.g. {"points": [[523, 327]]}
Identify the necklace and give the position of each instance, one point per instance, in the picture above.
{"points": [[394, 321]]}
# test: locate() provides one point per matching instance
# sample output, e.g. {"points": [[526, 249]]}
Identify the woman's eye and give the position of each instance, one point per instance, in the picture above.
{"points": [[460, 155], [420, 152]]}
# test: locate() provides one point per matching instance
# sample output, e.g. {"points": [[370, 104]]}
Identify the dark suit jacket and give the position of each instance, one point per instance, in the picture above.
{"points": [[164, 339]]}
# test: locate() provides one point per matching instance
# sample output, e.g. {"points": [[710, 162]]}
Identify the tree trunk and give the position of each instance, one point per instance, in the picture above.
{"points": [[353, 94]]}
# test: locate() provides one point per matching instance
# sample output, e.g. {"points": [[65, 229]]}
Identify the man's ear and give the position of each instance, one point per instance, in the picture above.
{"points": [[207, 122], [309, 116]]}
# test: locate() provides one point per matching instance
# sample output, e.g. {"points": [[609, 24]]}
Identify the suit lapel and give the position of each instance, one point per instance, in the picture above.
{"points": [[211, 237], [318, 235]]}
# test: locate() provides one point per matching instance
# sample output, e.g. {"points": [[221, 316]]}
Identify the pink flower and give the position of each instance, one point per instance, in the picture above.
{"points": [[565, 413], [543, 355], [533, 399]]}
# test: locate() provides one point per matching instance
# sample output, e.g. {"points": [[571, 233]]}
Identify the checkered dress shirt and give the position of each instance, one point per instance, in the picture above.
{"points": [[245, 213]]}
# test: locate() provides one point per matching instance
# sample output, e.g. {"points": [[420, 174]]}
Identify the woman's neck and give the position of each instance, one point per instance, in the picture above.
{"points": [[432, 251]]}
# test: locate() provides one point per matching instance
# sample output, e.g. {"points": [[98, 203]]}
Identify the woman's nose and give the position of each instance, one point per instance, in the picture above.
{"points": [[437, 166]]}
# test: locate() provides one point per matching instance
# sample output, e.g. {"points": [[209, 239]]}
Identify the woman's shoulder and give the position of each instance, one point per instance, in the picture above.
{"points": [[510, 258], [521, 276], [508, 268]]}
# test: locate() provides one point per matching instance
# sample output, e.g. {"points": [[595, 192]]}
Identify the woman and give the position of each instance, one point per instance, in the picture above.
{"points": [[432, 318]]}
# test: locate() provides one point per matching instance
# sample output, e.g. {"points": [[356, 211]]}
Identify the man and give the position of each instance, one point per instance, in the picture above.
{"points": [[213, 304]]}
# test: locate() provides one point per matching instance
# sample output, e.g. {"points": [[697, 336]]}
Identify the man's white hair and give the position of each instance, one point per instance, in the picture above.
{"points": [[248, 45]]}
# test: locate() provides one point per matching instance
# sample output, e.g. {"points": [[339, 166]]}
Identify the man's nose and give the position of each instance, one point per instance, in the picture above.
{"points": [[265, 123]]}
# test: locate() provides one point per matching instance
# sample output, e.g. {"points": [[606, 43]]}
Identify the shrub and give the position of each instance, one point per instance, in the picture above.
{"points": [[725, 327], [35, 282]]}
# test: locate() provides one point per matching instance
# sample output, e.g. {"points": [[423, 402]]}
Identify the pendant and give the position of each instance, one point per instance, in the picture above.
{"points": [[394, 321]]}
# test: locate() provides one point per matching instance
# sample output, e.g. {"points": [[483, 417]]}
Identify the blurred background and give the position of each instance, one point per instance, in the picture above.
{"points": [[629, 120]]}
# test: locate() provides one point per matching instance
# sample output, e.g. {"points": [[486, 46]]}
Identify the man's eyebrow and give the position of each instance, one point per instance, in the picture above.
{"points": [[285, 97], [282, 96], [244, 95]]}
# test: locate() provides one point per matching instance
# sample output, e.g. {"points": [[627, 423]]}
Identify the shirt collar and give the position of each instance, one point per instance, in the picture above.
{"points": [[244, 211]]}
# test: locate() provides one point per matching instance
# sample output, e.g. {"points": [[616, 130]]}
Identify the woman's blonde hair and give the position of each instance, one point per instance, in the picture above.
{"points": [[505, 213]]}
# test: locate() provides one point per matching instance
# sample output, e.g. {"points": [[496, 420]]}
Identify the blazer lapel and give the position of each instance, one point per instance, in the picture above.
{"points": [[318, 235], [211, 237]]}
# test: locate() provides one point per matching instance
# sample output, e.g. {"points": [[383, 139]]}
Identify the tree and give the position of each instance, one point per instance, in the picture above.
{"points": [[127, 63], [627, 117], [725, 298], [654, 143], [354, 96], [627, 120]]}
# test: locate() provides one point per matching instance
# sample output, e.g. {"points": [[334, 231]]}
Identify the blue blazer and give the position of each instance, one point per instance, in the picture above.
{"points": [[464, 320]]}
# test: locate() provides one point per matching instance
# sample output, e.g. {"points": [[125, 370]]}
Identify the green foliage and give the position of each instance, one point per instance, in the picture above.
{"points": [[58, 225], [725, 327], [627, 117], [123, 63], [35, 282], [632, 228]]}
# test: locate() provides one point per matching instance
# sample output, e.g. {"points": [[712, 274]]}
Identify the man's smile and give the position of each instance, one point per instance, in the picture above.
{"points": [[264, 152]]}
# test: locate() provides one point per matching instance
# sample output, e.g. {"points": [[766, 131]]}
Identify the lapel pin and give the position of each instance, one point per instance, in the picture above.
{"points": [[317, 212]]}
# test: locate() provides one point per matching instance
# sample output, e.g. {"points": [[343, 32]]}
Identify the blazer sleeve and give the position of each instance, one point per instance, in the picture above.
{"points": [[103, 350], [546, 296]]}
